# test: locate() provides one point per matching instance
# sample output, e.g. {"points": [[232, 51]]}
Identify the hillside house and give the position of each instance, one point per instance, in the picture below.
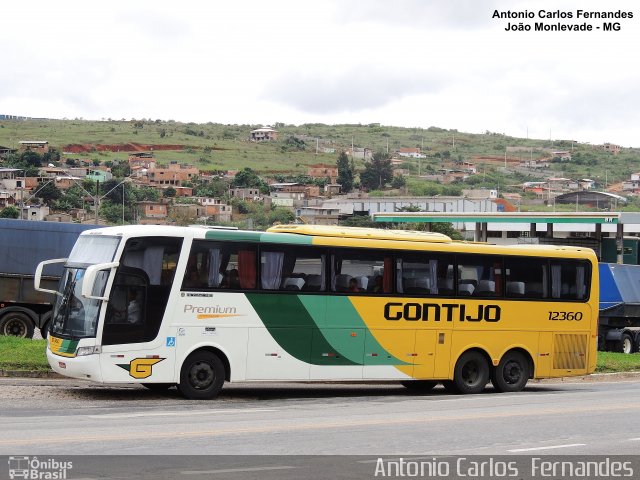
{"points": [[173, 175], [38, 146], [611, 148], [323, 171], [362, 153], [263, 134], [155, 210], [245, 193], [142, 160], [411, 153], [4, 151]]}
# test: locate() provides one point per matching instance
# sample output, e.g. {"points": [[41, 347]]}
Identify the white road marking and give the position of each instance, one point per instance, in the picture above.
{"points": [[550, 447], [176, 413], [634, 440], [235, 470]]}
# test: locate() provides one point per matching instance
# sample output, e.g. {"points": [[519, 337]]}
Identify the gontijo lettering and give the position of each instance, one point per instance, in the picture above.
{"points": [[441, 311]]}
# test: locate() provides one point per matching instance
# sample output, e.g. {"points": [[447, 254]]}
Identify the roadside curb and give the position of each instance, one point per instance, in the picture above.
{"points": [[29, 374]]}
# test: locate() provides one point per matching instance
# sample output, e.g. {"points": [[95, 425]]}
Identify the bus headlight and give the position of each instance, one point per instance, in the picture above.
{"points": [[82, 351]]}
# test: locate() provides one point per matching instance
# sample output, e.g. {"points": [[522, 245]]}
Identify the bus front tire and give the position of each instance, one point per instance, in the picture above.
{"points": [[471, 374], [17, 324], [511, 374], [201, 376], [419, 386]]}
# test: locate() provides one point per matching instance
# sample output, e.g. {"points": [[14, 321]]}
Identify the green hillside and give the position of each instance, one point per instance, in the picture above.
{"points": [[221, 147]]}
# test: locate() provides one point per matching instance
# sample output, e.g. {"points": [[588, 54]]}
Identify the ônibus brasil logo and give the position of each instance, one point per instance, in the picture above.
{"points": [[37, 469]]}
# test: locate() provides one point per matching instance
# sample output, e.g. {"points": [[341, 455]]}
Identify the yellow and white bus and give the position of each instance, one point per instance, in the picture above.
{"points": [[198, 306]]}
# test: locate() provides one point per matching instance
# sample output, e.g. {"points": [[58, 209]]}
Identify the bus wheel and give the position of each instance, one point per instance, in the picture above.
{"points": [[420, 386], [511, 374], [17, 324], [471, 374], [201, 376]]}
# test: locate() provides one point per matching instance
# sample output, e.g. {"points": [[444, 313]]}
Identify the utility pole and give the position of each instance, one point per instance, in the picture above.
{"points": [[96, 203]]}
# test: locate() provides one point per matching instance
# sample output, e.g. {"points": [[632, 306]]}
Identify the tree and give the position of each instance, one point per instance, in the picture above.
{"points": [[48, 192], [169, 192], [345, 172], [247, 178], [378, 172], [9, 212], [31, 159]]}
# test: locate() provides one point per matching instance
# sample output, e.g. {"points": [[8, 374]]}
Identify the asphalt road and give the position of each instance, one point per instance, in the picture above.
{"points": [[72, 417]]}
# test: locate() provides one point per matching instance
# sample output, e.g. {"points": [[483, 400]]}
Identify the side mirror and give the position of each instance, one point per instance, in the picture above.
{"points": [[38, 275], [90, 279]]}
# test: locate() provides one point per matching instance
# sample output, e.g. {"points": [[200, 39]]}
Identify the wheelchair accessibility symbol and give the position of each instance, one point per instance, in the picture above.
{"points": [[171, 341]]}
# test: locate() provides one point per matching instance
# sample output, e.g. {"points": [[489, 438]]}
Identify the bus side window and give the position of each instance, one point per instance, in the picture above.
{"points": [[526, 277], [479, 275], [292, 269], [360, 272], [569, 279]]}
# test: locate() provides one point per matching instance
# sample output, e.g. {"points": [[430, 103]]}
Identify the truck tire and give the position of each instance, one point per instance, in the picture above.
{"points": [[17, 324], [44, 331], [625, 344]]}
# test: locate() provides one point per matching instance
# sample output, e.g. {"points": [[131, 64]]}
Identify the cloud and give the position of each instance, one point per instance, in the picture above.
{"points": [[457, 14], [360, 88]]}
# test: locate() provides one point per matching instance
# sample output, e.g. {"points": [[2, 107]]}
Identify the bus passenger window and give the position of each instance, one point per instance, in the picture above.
{"points": [[360, 272], [526, 277], [479, 275], [424, 274], [570, 279], [292, 269]]}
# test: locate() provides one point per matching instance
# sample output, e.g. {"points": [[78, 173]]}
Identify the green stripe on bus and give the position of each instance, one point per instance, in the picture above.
{"points": [[68, 346], [289, 323], [286, 238], [237, 235], [342, 314]]}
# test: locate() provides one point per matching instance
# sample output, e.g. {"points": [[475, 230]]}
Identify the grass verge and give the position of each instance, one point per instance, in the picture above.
{"points": [[23, 354], [609, 362], [29, 355]]}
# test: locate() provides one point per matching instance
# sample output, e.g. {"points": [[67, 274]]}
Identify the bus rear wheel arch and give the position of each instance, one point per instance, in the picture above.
{"points": [[202, 375], [512, 373], [471, 373]]}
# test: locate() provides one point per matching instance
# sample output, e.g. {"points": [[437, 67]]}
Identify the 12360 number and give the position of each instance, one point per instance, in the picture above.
{"points": [[568, 316]]}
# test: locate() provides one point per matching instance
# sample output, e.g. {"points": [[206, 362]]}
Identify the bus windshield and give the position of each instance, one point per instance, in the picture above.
{"points": [[73, 315]]}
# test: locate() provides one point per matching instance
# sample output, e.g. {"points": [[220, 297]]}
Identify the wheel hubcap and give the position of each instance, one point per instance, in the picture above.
{"points": [[626, 346], [512, 372], [201, 376], [470, 373], [15, 328]]}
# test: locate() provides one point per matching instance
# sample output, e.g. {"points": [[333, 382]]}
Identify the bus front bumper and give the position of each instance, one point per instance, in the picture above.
{"points": [[86, 367]]}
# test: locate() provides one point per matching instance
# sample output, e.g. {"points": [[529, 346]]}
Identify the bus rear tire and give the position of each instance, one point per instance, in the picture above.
{"points": [[511, 374], [419, 386], [17, 324], [201, 376], [471, 374]]}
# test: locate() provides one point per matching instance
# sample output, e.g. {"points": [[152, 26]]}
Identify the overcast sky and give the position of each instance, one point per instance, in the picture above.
{"points": [[413, 63]]}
